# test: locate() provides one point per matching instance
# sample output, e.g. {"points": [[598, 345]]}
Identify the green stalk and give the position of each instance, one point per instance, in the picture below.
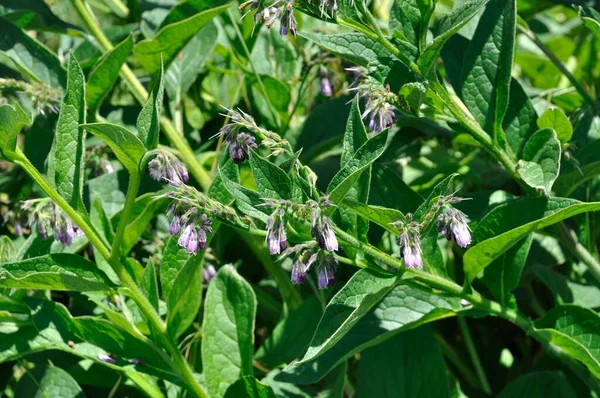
{"points": [[135, 292], [118, 8], [132, 191], [139, 92], [464, 329], [580, 251]]}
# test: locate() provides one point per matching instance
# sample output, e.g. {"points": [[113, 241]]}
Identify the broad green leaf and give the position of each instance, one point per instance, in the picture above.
{"points": [[363, 291], [185, 296], [150, 284], [249, 387], [173, 260], [358, 49], [574, 330], [48, 381], [487, 67], [567, 291], [30, 57], [291, 336], [444, 29], [127, 147], [148, 121], [171, 38], [277, 91], [404, 307], [8, 251], [405, 18], [227, 331], [66, 164], [509, 222], [55, 272], [363, 158], [545, 384], [105, 74], [442, 189], [248, 201], [333, 384], [520, 119], [387, 187], [555, 119], [503, 275], [381, 216], [399, 363], [591, 19], [355, 135], [183, 71], [540, 165], [34, 15], [413, 95], [572, 175], [217, 189], [12, 120], [271, 180]]}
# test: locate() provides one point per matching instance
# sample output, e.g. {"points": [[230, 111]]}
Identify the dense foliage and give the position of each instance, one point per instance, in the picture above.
{"points": [[299, 198]]}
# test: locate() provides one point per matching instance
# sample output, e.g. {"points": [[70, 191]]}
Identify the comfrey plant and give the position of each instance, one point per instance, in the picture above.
{"points": [[380, 182]]}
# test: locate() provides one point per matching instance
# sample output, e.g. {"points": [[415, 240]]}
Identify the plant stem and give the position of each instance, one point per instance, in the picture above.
{"points": [[118, 8], [464, 329], [132, 191], [452, 356], [584, 93], [580, 251], [135, 292], [139, 92]]}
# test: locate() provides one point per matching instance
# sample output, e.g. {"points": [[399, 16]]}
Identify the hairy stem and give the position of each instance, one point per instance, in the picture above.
{"points": [[132, 191], [135, 292], [139, 92]]}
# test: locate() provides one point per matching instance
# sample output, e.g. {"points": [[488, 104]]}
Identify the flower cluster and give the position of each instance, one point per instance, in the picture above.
{"points": [[44, 98], [322, 229], [276, 236], [379, 99], [305, 257], [409, 244], [453, 224], [269, 14], [191, 225], [47, 217], [167, 168]]}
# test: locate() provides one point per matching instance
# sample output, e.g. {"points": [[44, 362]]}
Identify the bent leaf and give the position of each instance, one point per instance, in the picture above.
{"points": [[12, 120], [540, 165], [126, 146]]}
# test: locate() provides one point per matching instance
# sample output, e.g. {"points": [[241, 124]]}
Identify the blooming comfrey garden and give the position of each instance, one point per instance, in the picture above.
{"points": [[299, 198]]}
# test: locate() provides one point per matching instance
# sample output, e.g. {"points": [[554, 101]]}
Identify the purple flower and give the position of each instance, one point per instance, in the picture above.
{"points": [[276, 236], [410, 249], [452, 223], [166, 167], [326, 272], [108, 358], [288, 21], [326, 88], [208, 272], [382, 115], [301, 265], [175, 225], [238, 146], [189, 239], [323, 233]]}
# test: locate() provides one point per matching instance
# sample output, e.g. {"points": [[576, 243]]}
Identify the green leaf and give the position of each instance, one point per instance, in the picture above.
{"points": [[566, 291], [173, 260], [397, 365], [444, 28], [55, 272], [148, 122], [363, 291], [540, 165], [183, 71], [572, 176], [363, 158], [30, 57], [150, 284], [333, 384], [509, 222], [404, 307], [539, 385], [355, 134], [105, 74], [358, 49], [12, 120], [387, 186], [405, 18], [227, 330], [66, 164], [503, 275], [248, 201], [271, 180], [184, 22], [487, 66], [413, 95], [126, 146], [381, 216], [555, 119], [442, 189], [217, 189], [48, 381], [185, 296], [249, 387], [591, 19], [291, 336], [575, 331], [34, 15], [520, 119]]}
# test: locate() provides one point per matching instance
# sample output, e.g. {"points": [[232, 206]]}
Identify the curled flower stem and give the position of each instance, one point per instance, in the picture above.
{"points": [[178, 361], [141, 95]]}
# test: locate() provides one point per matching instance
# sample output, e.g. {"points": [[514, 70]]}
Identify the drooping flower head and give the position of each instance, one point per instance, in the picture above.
{"points": [[167, 168], [288, 21], [453, 223], [208, 273], [326, 87], [276, 236], [238, 146], [322, 226], [236, 134], [47, 217], [326, 270], [409, 244]]}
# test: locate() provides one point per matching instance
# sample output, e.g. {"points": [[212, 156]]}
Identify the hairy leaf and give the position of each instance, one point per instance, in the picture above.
{"points": [[540, 165], [185, 296], [126, 146], [271, 180], [148, 122]]}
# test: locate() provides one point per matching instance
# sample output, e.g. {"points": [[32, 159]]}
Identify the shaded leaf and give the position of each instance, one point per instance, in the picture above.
{"points": [[540, 165], [126, 146]]}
